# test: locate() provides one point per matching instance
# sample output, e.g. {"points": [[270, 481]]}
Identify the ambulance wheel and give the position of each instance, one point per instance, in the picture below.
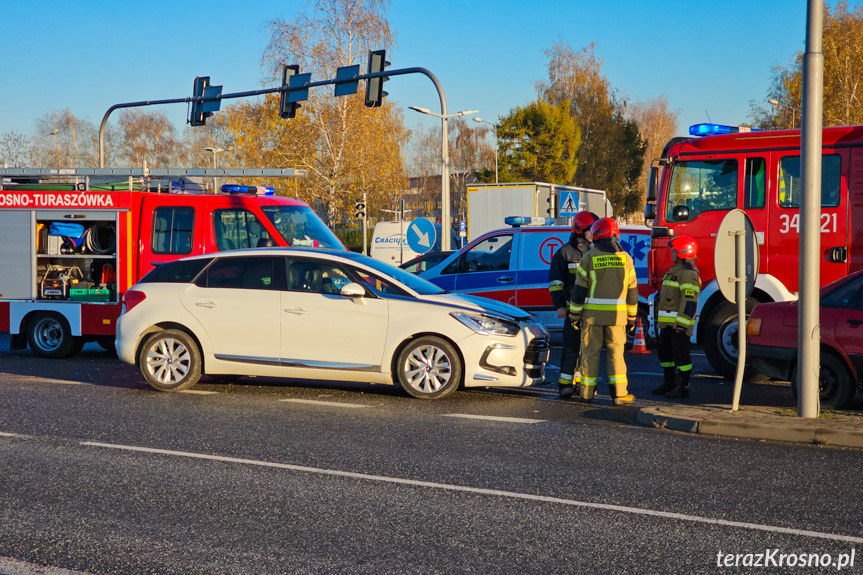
{"points": [[720, 342], [49, 335], [429, 368], [170, 360]]}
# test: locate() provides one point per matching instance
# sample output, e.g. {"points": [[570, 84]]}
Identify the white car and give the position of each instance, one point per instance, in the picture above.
{"points": [[320, 314]]}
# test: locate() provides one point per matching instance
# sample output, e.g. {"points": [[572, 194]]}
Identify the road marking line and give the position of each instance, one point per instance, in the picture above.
{"points": [[494, 418], [484, 491], [59, 381], [4, 434], [198, 392], [327, 403]]}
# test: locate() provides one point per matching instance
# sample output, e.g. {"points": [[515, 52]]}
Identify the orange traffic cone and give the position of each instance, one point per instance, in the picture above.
{"points": [[638, 345]]}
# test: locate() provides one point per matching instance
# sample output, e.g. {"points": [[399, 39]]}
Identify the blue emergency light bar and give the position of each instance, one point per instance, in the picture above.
{"points": [[517, 221], [258, 190], [716, 129]]}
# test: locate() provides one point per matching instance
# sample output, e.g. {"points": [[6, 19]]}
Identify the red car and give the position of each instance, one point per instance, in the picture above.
{"points": [[772, 341]]}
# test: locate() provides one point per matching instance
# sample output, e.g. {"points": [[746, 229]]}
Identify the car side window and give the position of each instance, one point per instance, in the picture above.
{"points": [[491, 254], [378, 285], [315, 276], [255, 272], [848, 296]]}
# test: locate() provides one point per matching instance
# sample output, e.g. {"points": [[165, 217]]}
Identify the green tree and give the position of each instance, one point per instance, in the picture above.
{"points": [[843, 68], [612, 151], [538, 142]]}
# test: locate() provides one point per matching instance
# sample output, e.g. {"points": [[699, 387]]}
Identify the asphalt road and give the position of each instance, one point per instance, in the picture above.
{"points": [[102, 475]]}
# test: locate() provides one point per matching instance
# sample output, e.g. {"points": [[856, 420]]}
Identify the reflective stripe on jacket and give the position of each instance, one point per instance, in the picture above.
{"points": [[678, 297], [609, 294], [561, 272]]}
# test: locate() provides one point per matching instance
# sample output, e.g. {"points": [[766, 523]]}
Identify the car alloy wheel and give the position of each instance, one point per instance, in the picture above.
{"points": [[429, 368], [170, 361]]}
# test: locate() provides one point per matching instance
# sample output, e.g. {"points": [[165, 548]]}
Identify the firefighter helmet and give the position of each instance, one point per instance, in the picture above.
{"points": [[582, 221], [685, 246], [604, 228]]}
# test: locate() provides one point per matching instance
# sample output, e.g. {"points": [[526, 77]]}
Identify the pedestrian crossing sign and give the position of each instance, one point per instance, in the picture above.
{"points": [[568, 204]]}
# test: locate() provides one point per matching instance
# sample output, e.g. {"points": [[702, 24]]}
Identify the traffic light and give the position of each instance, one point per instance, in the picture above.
{"points": [[360, 210], [375, 86], [287, 108], [197, 116], [551, 210]]}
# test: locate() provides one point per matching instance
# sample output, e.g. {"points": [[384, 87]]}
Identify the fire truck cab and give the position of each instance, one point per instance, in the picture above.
{"points": [[698, 180], [71, 250]]}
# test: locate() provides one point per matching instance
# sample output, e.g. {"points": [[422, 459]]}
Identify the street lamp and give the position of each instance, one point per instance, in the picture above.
{"points": [[494, 131], [774, 102], [446, 226], [215, 152]]}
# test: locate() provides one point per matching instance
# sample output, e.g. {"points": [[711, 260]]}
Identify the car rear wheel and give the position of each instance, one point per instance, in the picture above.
{"points": [[429, 368], [835, 383], [49, 335], [170, 360]]}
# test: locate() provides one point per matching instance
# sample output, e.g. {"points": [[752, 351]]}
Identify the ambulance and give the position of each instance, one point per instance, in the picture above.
{"points": [[511, 265], [71, 250]]}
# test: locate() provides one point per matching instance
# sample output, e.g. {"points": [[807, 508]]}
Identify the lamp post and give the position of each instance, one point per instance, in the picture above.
{"points": [[444, 176], [53, 132], [494, 131], [775, 103], [215, 152]]}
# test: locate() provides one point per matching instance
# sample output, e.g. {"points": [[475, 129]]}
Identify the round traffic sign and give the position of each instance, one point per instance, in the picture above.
{"points": [[421, 235], [725, 258]]}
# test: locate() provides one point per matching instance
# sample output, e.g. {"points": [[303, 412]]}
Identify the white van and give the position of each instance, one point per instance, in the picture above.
{"points": [[390, 245]]}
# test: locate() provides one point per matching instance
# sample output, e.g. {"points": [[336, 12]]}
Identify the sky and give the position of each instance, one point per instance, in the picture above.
{"points": [[709, 58]]}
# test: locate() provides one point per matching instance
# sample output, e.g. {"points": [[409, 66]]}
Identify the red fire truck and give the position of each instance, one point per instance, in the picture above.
{"points": [[698, 180], [70, 251]]}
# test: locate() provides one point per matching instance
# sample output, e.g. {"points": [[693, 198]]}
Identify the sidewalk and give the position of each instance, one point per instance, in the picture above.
{"points": [[835, 428]]}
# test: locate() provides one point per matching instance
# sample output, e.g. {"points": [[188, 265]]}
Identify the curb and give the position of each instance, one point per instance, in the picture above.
{"points": [[708, 421]]}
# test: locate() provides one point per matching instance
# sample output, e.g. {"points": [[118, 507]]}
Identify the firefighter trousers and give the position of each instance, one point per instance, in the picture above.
{"points": [[593, 338], [673, 349], [569, 354]]}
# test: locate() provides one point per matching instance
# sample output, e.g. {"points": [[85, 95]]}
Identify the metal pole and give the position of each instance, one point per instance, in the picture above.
{"points": [[402, 233], [365, 224], [495, 159], [444, 208], [809, 334], [740, 272]]}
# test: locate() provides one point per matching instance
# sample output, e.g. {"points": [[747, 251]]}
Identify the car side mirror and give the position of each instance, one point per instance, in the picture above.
{"points": [[352, 290], [680, 213]]}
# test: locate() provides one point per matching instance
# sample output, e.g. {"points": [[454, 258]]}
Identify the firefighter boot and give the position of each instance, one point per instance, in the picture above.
{"points": [[682, 389], [566, 390], [584, 393], [668, 381]]}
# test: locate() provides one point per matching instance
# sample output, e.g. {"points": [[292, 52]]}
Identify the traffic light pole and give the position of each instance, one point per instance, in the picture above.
{"points": [[365, 226]]}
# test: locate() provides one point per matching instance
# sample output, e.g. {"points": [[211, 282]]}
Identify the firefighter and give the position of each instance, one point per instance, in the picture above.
{"points": [[605, 302], [676, 305], [561, 278]]}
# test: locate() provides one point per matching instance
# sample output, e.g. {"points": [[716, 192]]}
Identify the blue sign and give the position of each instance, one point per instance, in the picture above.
{"points": [[568, 205], [462, 226], [421, 235]]}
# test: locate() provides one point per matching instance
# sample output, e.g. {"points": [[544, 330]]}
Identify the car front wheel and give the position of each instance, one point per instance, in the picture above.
{"points": [[170, 360], [429, 368]]}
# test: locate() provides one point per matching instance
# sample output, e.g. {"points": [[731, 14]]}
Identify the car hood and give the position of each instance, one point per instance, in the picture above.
{"points": [[478, 303]]}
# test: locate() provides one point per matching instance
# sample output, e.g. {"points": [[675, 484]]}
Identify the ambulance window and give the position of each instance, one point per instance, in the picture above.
{"points": [[491, 254], [756, 182], [237, 229], [172, 230], [790, 183]]}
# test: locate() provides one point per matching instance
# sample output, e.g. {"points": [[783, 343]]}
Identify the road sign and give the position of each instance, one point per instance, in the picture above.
{"points": [[568, 205], [547, 249], [421, 235], [725, 259]]}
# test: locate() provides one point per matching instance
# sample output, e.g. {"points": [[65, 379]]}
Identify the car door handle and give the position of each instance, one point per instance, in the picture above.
{"points": [[504, 280], [855, 321], [206, 304], [295, 310]]}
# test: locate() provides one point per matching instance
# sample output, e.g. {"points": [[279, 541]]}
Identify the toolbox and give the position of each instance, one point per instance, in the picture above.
{"points": [[58, 280], [89, 294]]}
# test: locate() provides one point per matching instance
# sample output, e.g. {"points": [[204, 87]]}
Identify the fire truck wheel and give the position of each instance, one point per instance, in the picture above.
{"points": [[170, 360], [720, 342], [49, 335], [106, 342], [429, 368], [835, 383]]}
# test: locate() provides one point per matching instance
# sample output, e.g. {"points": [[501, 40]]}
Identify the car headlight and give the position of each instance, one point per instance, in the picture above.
{"points": [[487, 324]]}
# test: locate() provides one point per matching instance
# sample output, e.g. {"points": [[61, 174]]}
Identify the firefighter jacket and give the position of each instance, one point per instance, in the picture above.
{"points": [[678, 297], [561, 273], [606, 289]]}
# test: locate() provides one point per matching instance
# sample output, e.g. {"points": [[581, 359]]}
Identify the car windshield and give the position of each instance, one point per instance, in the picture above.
{"points": [[415, 283], [702, 186], [301, 227]]}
